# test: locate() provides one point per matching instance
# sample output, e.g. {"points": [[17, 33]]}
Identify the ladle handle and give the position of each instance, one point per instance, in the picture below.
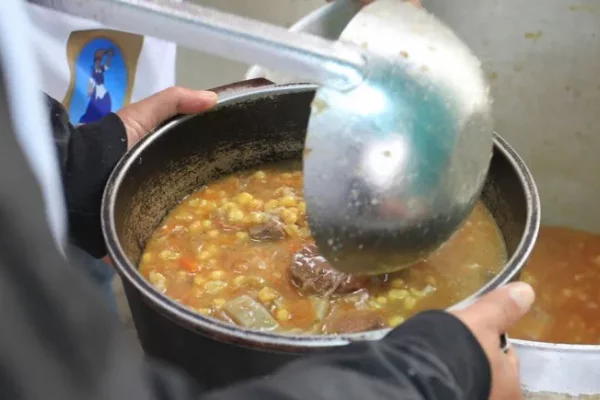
{"points": [[333, 64]]}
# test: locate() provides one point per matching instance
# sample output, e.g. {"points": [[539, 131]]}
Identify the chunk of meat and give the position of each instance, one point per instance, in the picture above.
{"points": [[312, 273], [270, 231], [353, 322]]}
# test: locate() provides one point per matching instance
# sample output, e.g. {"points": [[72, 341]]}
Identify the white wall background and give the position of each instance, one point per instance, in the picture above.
{"points": [[197, 70]]}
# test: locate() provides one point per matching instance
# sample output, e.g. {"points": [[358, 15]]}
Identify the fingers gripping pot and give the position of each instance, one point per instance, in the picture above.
{"points": [[254, 122]]}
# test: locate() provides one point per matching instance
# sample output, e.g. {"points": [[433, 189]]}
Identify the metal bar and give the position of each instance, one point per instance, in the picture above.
{"points": [[333, 64]]}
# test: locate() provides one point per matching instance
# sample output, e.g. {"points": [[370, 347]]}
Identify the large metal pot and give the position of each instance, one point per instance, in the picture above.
{"points": [[250, 126]]}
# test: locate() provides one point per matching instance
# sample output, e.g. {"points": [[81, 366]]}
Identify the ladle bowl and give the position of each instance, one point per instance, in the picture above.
{"points": [[394, 165]]}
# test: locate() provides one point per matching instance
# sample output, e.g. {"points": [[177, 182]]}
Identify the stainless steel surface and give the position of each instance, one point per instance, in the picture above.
{"points": [[334, 64], [542, 58], [393, 166]]}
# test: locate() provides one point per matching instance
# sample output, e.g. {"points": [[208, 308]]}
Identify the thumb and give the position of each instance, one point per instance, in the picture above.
{"points": [[500, 309], [141, 117]]}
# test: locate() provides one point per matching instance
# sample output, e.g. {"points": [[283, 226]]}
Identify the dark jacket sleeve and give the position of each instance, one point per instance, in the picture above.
{"points": [[59, 341], [87, 155], [431, 356]]}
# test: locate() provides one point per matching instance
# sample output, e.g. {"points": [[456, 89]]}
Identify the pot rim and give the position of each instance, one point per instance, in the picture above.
{"points": [[225, 332]]}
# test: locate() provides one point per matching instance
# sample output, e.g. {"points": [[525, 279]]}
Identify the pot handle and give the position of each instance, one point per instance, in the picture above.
{"points": [[240, 87]]}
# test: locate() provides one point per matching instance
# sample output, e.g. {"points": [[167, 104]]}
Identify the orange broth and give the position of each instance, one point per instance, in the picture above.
{"points": [[209, 255]]}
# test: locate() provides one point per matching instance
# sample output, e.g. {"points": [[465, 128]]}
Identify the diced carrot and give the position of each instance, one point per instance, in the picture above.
{"points": [[188, 264]]}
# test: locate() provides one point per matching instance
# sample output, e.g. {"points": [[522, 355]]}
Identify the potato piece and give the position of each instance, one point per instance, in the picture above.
{"points": [[321, 307], [249, 313]]}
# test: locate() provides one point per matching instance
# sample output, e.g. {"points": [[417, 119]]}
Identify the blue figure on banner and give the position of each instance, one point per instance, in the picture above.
{"points": [[102, 85], [100, 103]]}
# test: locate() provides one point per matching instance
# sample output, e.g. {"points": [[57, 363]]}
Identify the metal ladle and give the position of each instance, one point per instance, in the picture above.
{"points": [[400, 137]]}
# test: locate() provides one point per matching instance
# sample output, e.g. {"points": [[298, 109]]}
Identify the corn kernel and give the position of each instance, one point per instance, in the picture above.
{"points": [[195, 227], [382, 300], [158, 280], [217, 275], [211, 263], [271, 204], [203, 256], [267, 295], [239, 280], [211, 248], [147, 257], [241, 235], [244, 198], [288, 201], [218, 303], [199, 280], [398, 283], [282, 191], [184, 217], [255, 281], [409, 303], [292, 230], [283, 315], [213, 233], [260, 175], [206, 224], [194, 202], [258, 217], [256, 204], [169, 255], [395, 321], [214, 287], [289, 217], [397, 294], [235, 215]]}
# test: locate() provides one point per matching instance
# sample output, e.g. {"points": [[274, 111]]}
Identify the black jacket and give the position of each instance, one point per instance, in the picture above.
{"points": [[59, 341]]}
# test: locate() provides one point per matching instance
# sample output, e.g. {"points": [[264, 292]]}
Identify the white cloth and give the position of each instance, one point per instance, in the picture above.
{"points": [[58, 49], [28, 114]]}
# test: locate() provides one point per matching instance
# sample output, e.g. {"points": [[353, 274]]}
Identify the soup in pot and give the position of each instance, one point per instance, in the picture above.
{"points": [[564, 270], [240, 250]]}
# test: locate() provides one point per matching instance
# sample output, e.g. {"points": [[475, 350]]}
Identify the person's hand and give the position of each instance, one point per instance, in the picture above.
{"points": [[487, 318], [141, 117]]}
